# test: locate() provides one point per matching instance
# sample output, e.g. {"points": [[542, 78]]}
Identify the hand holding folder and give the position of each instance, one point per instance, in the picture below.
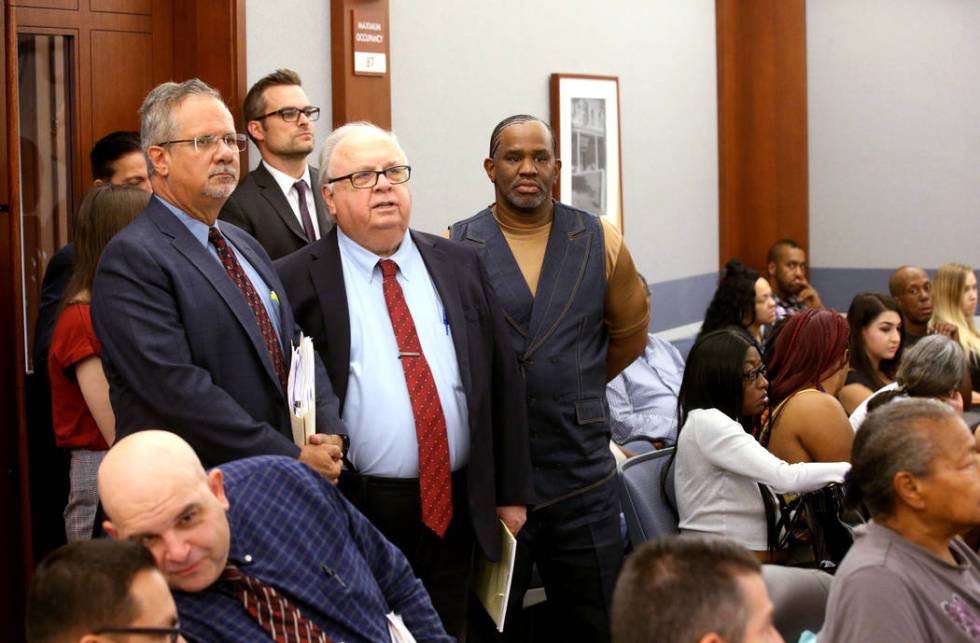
{"points": [[491, 581]]}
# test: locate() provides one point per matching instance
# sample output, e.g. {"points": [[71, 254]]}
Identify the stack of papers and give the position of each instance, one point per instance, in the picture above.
{"points": [[301, 394]]}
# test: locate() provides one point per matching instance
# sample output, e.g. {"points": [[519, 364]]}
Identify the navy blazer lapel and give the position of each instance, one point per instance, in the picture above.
{"points": [[327, 275], [564, 265], [513, 294], [212, 270], [272, 193], [443, 276]]}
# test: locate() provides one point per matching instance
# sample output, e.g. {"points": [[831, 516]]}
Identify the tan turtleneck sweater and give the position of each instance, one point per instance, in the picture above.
{"points": [[627, 308]]}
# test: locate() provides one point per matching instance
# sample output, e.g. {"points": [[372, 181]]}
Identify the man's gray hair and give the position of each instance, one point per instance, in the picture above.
{"points": [[893, 439], [342, 132], [933, 367], [157, 111]]}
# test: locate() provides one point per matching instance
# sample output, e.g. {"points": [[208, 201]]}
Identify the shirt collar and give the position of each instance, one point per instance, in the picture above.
{"points": [[365, 262], [196, 227], [285, 181]]}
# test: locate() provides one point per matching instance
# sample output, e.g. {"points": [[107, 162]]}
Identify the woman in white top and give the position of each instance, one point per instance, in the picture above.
{"points": [[722, 474]]}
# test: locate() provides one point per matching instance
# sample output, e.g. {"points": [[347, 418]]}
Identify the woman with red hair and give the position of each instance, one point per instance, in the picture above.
{"points": [[807, 358]]}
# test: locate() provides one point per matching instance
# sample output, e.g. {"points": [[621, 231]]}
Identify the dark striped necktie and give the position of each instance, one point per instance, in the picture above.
{"points": [[270, 609]]}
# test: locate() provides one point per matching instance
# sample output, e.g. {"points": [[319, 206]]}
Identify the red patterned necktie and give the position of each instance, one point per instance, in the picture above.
{"points": [[237, 274], [270, 609], [435, 476]]}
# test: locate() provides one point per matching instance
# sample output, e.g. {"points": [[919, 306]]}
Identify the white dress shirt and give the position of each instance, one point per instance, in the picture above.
{"points": [[287, 185], [377, 409]]}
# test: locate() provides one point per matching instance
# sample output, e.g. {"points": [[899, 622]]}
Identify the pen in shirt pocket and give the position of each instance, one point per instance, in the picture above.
{"points": [[445, 321]]}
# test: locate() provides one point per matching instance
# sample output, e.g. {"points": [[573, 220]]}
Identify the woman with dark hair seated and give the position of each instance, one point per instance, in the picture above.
{"points": [[743, 300], [875, 323], [722, 475], [806, 357], [934, 367]]}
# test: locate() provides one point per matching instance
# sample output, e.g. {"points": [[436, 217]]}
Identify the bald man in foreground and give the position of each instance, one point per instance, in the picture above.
{"points": [[258, 531]]}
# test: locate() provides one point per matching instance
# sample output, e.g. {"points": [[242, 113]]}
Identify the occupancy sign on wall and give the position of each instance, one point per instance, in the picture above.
{"points": [[370, 29]]}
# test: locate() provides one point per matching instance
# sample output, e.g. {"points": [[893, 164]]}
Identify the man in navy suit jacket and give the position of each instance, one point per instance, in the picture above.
{"points": [[182, 346], [336, 289]]}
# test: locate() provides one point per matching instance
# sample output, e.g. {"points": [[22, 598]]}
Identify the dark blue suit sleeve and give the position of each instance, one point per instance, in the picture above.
{"points": [[150, 364]]}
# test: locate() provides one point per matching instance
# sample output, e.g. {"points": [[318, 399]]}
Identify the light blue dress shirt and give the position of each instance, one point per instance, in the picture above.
{"points": [[200, 231], [643, 398], [377, 409]]}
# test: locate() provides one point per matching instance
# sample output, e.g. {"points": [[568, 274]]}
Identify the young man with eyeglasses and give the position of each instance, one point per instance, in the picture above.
{"points": [[194, 324], [418, 354], [99, 591], [279, 202]]}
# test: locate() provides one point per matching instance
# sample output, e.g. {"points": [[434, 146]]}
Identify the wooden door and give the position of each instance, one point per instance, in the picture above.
{"points": [[75, 70]]}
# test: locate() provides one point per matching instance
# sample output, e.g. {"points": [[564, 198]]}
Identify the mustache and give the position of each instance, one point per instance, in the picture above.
{"points": [[223, 169]]}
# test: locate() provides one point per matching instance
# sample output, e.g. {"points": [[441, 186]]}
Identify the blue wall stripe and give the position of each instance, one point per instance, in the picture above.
{"points": [[837, 286], [683, 301], [680, 301]]}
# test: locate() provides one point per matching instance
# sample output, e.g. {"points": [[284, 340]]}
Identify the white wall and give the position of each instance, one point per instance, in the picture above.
{"points": [[894, 132], [460, 67], [294, 34]]}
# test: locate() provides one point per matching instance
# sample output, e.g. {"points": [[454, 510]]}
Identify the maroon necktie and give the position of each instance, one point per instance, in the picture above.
{"points": [[304, 211], [270, 609], [435, 476], [234, 269]]}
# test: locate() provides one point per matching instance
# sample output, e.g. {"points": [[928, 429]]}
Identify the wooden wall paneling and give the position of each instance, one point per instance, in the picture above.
{"points": [[15, 542], [357, 97], [143, 7], [762, 126], [211, 37], [115, 105]]}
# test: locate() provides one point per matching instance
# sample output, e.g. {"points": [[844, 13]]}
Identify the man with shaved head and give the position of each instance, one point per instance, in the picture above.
{"points": [[260, 530], [911, 288]]}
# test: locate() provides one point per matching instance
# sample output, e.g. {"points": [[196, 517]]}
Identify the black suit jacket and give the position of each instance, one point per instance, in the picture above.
{"points": [[182, 350], [499, 471], [259, 207]]}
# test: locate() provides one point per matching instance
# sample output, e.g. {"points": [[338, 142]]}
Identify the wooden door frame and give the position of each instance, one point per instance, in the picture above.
{"points": [[210, 32]]}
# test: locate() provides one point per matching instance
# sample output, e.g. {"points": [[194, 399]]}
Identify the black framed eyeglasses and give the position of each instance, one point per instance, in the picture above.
{"points": [[207, 142], [291, 114], [754, 375], [369, 178], [172, 633]]}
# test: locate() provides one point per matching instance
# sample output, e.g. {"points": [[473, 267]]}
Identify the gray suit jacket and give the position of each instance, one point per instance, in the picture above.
{"points": [[259, 207]]}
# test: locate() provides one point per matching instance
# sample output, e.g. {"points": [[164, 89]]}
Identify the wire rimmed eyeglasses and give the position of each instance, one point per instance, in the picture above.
{"points": [[207, 142], [172, 633], [369, 178]]}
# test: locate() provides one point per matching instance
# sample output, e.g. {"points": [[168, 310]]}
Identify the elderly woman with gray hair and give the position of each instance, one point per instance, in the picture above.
{"points": [[934, 367], [909, 577]]}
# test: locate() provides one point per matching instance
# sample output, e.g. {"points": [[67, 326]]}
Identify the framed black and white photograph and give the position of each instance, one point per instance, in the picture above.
{"points": [[585, 117]]}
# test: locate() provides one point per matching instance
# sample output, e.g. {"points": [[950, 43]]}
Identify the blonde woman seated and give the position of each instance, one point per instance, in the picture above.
{"points": [[954, 301], [723, 476]]}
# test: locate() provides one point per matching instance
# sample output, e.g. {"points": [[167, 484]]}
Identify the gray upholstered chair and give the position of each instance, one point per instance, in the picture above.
{"points": [[799, 598], [647, 514]]}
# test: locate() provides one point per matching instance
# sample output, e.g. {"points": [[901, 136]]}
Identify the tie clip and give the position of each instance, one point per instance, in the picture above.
{"points": [[407, 354]]}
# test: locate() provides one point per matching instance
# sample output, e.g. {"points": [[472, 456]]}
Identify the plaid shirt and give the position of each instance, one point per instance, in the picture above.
{"points": [[787, 307], [292, 529]]}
